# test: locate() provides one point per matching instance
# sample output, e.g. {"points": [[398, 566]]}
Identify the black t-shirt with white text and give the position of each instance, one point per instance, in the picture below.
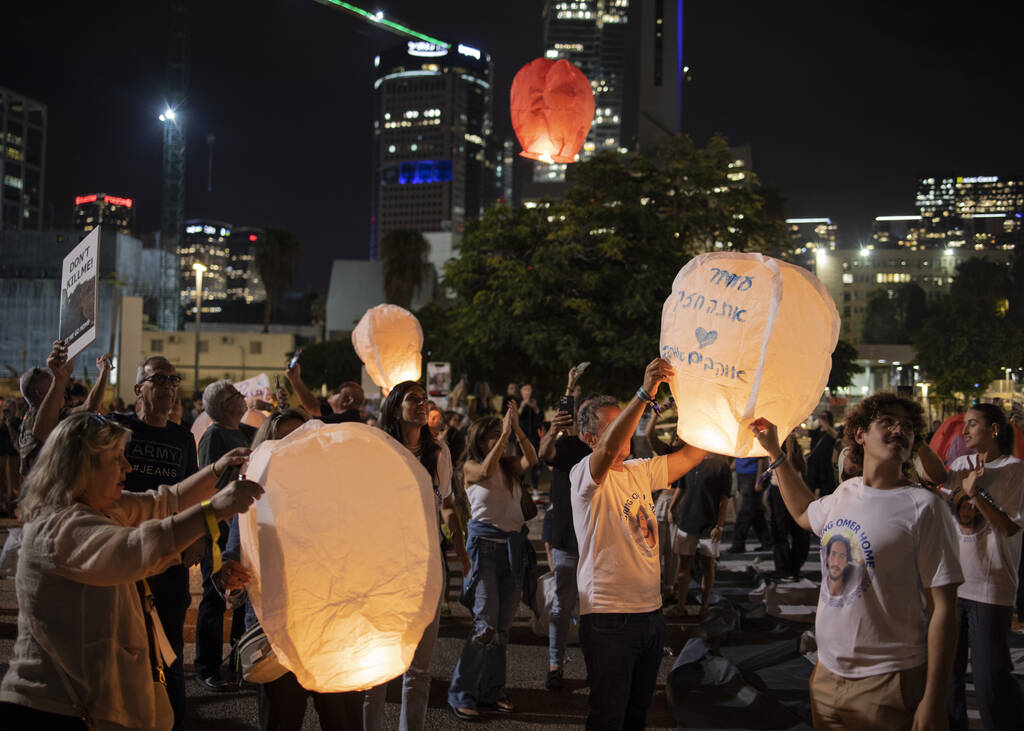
{"points": [[158, 455]]}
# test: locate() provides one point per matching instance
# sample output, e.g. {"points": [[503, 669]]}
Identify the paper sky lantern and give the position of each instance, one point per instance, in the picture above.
{"points": [[552, 108], [344, 552], [388, 340], [748, 336]]}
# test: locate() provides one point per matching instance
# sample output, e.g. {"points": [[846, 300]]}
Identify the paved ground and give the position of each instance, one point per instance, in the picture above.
{"points": [[766, 648]]}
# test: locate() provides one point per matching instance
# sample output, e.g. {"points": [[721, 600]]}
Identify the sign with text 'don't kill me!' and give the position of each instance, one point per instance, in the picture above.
{"points": [[79, 290]]}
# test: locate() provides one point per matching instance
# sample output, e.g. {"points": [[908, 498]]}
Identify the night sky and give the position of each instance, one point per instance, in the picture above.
{"points": [[844, 104]]}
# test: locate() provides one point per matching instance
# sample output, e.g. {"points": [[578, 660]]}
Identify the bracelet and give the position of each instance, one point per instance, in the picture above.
{"points": [[212, 530], [778, 460], [982, 492], [641, 393], [213, 466]]}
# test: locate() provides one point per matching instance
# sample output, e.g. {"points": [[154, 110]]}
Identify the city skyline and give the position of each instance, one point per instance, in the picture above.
{"points": [[844, 108]]}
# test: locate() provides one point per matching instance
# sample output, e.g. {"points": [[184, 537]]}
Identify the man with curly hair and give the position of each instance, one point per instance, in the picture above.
{"points": [[885, 647]]}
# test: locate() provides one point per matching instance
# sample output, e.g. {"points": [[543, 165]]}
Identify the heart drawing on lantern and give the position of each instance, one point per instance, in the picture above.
{"points": [[704, 337]]}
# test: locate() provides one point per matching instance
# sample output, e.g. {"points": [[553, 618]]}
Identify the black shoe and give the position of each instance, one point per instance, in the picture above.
{"points": [[469, 718], [502, 705], [554, 681], [215, 684]]}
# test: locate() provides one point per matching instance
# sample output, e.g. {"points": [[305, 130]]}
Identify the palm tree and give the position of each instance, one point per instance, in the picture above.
{"points": [[277, 256], [405, 264]]}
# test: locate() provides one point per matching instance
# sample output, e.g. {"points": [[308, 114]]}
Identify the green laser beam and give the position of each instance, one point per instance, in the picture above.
{"points": [[379, 19]]}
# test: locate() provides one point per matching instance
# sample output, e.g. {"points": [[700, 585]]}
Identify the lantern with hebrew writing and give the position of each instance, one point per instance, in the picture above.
{"points": [[748, 336], [344, 554], [552, 107], [388, 340]]}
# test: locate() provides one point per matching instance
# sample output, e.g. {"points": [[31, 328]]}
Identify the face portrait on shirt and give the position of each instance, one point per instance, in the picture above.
{"points": [[838, 566], [646, 529], [969, 519]]}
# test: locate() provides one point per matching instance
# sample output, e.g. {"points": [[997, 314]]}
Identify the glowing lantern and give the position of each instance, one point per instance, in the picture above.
{"points": [[388, 340], [552, 108], [748, 336], [344, 553]]}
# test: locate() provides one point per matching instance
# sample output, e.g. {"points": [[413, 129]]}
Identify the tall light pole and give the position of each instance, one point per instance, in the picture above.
{"points": [[199, 269]]}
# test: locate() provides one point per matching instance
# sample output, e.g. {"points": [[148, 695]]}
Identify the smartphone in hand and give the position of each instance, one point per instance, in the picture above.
{"points": [[566, 404]]}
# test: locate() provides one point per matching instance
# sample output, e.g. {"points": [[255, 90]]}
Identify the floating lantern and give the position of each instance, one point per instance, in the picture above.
{"points": [[748, 336], [552, 108], [388, 340], [344, 554]]}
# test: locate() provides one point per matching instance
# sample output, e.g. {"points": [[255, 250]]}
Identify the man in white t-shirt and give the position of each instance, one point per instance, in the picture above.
{"points": [[619, 574], [884, 660]]}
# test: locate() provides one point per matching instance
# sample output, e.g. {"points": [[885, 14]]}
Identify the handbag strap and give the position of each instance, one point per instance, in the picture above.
{"points": [[156, 659]]}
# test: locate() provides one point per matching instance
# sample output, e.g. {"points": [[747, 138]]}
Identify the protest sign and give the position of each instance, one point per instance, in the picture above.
{"points": [[78, 294]]}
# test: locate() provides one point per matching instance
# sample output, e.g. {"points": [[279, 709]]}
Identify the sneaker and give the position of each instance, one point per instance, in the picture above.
{"points": [[216, 684], [554, 681]]}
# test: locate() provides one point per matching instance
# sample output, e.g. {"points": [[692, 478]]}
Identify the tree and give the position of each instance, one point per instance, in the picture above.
{"points": [[330, 363], [276, 257], [405, 265], [894, 314], [969, 336], [584, 278], [844, 366]]}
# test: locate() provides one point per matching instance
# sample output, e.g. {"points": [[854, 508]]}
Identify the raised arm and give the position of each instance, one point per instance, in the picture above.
{"points": [[658, 447], [683, 460], [559, 422], [529, 458], [931, 463], [477, 471], [49, 410], [795, 493], [309, 402], [615, 439], [95, 397]]}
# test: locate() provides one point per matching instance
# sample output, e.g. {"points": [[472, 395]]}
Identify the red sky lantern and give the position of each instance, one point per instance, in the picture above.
{"points": [[552, 108]]}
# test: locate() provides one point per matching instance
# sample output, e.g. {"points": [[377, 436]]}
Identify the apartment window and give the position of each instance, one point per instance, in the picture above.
{"points": [[204, 346], [255, 347], [156, 346]]}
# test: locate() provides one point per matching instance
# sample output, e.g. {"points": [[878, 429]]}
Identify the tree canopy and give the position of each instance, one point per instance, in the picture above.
{"points": [[405, 261], [584, 278], [276, 257], [894, 314]]}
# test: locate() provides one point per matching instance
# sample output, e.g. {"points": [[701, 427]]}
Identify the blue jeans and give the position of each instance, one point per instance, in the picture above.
{"points": [[623, 654], [479, 677], [983, 630], [566, 593]]}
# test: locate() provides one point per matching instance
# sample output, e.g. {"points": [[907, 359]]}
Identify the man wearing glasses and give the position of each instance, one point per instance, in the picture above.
{"points": [[885, 644], [162, 453]]}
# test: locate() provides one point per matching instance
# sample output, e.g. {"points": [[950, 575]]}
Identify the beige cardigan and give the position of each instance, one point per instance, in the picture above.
{"points": [[75, 583]]}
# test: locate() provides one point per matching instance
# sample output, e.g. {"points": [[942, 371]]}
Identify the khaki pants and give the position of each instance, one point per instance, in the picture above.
{"points": [[883, 702]]}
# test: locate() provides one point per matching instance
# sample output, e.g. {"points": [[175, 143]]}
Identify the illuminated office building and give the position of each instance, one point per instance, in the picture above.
{"points": [[110, 211], [808, 238], [974, 211], [226, 252], [434, 155], [631, 51], [22, 161]]}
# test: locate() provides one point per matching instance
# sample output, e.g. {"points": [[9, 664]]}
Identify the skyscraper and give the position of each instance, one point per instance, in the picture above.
{"points": [[22, 161], [434, 158], [100, 209], [974, 211], [631, 51]]}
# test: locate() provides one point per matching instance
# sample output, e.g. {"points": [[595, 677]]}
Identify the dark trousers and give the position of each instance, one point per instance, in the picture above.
{"points": [[623, 654], [751, 514], [790, 542], [983, 630], [13, 716], [282, 706], [172, 598], [210, 618]]}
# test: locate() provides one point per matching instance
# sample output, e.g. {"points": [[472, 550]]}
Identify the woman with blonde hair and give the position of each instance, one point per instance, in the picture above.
{"points": [[88, 651]]}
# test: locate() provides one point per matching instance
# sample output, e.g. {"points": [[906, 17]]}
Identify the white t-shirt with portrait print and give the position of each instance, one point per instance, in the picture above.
{"points": [[902, 541], [617, 532], [988, 557]]}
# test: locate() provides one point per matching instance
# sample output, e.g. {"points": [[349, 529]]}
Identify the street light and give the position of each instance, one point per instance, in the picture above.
{"points": [[199, 269], [168, 115]]}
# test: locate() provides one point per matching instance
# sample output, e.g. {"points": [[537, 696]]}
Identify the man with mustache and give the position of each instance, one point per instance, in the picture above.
{"points": [[884, 659]]}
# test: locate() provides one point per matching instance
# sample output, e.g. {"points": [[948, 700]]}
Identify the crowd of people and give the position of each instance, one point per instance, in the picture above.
{"points": [[920, 552]]}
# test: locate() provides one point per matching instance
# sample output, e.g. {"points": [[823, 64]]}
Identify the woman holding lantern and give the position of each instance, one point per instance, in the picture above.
{"points": [[89, 644], [497, 532], [404, 416]]}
